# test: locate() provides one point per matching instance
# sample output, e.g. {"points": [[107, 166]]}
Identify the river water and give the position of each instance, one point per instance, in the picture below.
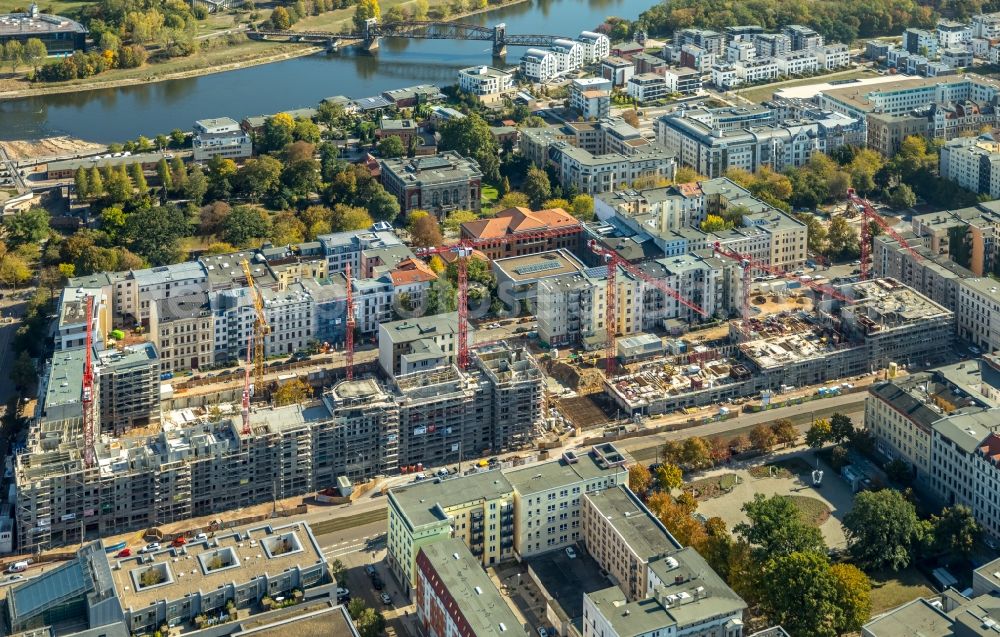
{"points": [[118, 114]]}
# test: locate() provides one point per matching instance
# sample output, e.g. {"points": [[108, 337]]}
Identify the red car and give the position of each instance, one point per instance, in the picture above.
{"points": [[179, 541], [126, 552]]}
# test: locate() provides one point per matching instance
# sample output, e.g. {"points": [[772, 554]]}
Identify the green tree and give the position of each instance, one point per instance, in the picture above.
{"points": [[138, 178], [13, 53], [815, 232], [882, 529], [391, 146], [956, 530], [95, 182], [381, 205], [81, 183], [260, 177], [287, 229], [819, 433], [420, 8], [457, 217], [841, 428], [365, 10], [306, 130], [669, 477], [113, 221], [280, 19], [279, 130], [117, 187], [583, 207], [536, 186], [471, 137], [346, 218], [775, 528], [30, 226], [14, 268], [35, 53], [800, 593], [960, 245], [292, 392], [195, 185], [842, 239], [854, 597], [245, 226], [899, 471], [164, 174], [902, 197], [154, 232], [22, 372]]}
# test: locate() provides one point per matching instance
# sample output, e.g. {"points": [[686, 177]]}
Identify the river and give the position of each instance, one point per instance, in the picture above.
{"points": [[117, 114]]}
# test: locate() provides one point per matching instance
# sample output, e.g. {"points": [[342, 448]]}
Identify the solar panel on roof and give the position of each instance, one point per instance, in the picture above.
{"points": [[542, 266]]}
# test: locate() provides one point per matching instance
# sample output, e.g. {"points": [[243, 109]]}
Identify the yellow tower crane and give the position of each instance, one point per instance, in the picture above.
{"points": [[260, 329]]}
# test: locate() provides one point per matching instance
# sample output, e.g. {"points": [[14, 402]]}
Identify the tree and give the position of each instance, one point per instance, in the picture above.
{"points": [[784, 431], [854, 597], [259, 177], [669, 477], [292, 392], [30, 226], [391, 146], [902, 197], [881, 529], [280, 19], [14, 268], [365, 10], [211, 217], [245, 226], [436, 264], [338, 571], [382, 206], [815, 232], [899, 471], [471, 137], [355, 607], [425, 231], [955, 530], [513, 199], [118, 187], [775, 528], [13, 52], [842, 239], [841, 428], [346, 218], [763, 437], [154, 231], [22, 372], [81, 183], [196, 185], [696, 453], [583, 207], [420, 8], [550, 204], [818, 434], [278, 131], [639, 478], [306, 131], [35, 53], [536, 186], [138, 179], [713, 223], [95, 181], [457, 217], [165, 176], [800, 593], [370, 623], [286, 229]]}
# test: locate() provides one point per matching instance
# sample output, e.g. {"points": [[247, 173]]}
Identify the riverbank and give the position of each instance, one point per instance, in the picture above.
{"points": [[247, 54]]}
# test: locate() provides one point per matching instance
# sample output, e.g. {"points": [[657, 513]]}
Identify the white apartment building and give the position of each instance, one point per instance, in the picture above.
{"points": [[683, 80], [220, 136], [978, 313], [647, 87], [796, 62], [592, 174], [986, 26], [724, 77], [136, 289], [590, 97], [756, 70], [289, 312], [740, 51], [539, 65], [974, 163], [907, 95], [833, 56], [569, 54], [234, 317], [953, 34], [596, 46], [485, 81]]}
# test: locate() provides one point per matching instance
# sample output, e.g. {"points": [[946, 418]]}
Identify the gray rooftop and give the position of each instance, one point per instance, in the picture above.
{"points": [[968, 431], [918, 617], [408, 330], [552, 475], [131, 356], [645, 534], [424, 502]]}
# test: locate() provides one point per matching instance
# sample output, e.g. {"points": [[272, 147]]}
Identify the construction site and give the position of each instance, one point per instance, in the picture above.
{"points": [[878, 324]]}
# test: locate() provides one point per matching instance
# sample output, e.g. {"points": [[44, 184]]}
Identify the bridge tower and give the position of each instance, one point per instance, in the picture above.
{"points": [[371, 34], [500, 40]]}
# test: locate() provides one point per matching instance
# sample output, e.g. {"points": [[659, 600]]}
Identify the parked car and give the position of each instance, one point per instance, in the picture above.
{"points": [[201, 537], [18, 567], [126, 552], [179, 541], [542, 632], [377, 582], [975, 351], [343, 594], [371, 571], [571, 552], [151, 547], [386, 599]]}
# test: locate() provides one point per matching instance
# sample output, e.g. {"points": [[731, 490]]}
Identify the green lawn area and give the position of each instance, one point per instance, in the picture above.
{"points": [[814, 512], [66, 8], [766, 91], [890, 590], [489, 194]]}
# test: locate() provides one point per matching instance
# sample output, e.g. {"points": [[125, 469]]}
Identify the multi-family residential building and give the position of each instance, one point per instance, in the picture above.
{"points": [[933, 275], [952, 34], [518, 227], [887, 132], [709, 40], [724, 77], [289, 314], [438, 183], [759, 69], [833, 56], [220, 137], [485, 82], [128, 386], [973, 163], [906, 95], [417, 344], [647, 87], [979, 312], [803, 38], [590, 97], [986, 26], [684, 80], [797, 62], [564, 55], [981, 224], [740, 51], [769, 45], [696, 58], [617, 70], [956, 57], [596, 46], [182, 328]]}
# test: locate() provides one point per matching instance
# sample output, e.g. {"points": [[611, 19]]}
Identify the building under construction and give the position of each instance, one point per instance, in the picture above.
{"points": [[884, 322], [194, 463]]}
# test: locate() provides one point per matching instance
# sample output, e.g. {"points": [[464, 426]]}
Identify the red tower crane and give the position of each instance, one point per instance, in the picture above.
{"points": [[349, 325], [614, 261], [463, 250], [868, 214], [749, 265], [88, 387]]}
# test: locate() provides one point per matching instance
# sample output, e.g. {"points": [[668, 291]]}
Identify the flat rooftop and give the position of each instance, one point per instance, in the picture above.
{"points": [[12, 24], [531, 267], [641, 531], [552, 475], [425, 502]]}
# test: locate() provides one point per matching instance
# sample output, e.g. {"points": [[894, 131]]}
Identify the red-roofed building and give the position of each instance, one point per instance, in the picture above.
{"points": [[412, 277], [515, 221]]}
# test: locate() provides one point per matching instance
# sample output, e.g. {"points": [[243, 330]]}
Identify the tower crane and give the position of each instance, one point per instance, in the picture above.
{"points": [[748, 265], [261, 329], [349, 326], [614, 261], [88, 387], [463, 250], [868, 214]]}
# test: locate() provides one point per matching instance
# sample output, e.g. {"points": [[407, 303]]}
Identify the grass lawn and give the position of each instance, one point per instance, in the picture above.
{"points": [[814, 512], [890, 590], [708, 488], [489, 194], [67, 8], [765, 91]]}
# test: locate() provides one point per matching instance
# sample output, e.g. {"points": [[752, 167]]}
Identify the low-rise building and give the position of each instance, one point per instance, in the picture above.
{"points": [[220, 137], [61, 36], [519, 228], [485, 82], [684, 80], [438, 183], [647, 87]]}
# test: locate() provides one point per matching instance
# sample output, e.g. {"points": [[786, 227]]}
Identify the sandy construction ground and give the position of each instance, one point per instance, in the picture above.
{"points": [[48, 147]]}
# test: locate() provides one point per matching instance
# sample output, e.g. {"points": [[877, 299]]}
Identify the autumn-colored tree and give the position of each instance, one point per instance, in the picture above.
{"points": [[436, 264], [425, 231], [669, 477], [784, 431], [639, 478], [293, 391], [763, 437]]}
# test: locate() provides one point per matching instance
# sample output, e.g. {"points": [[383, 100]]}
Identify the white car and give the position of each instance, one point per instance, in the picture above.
{"points": [[151, 547], [542, 632], [201, 537], [571, 552], [386, 599]]}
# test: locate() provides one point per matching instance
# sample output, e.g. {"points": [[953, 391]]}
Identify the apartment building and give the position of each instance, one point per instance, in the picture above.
{"points": [[128, 385], [617, 70], [539, 65], [964, 447], [887, 132], [953, 34], [906, 95], [590, 97], [71, 326], [740, 51], [517, 228], [986, 26], [833, 56], [981, 224], [436, 183], [593, 174], [685, 80], [802, 38], [712, 41], [921, 42], [623, 537], [648, 87], [759, 69], [454, 596], [797, 62], [289, 312], [973, 163], [933, 275], [417, 344], [135, 290], [769, 45], [220, 137], [358, 248], [485, 82], [979, 312], [182, 329]]}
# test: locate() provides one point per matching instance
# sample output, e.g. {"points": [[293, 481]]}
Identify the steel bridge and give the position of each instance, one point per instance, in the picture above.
{"points": [[413, 29]]}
